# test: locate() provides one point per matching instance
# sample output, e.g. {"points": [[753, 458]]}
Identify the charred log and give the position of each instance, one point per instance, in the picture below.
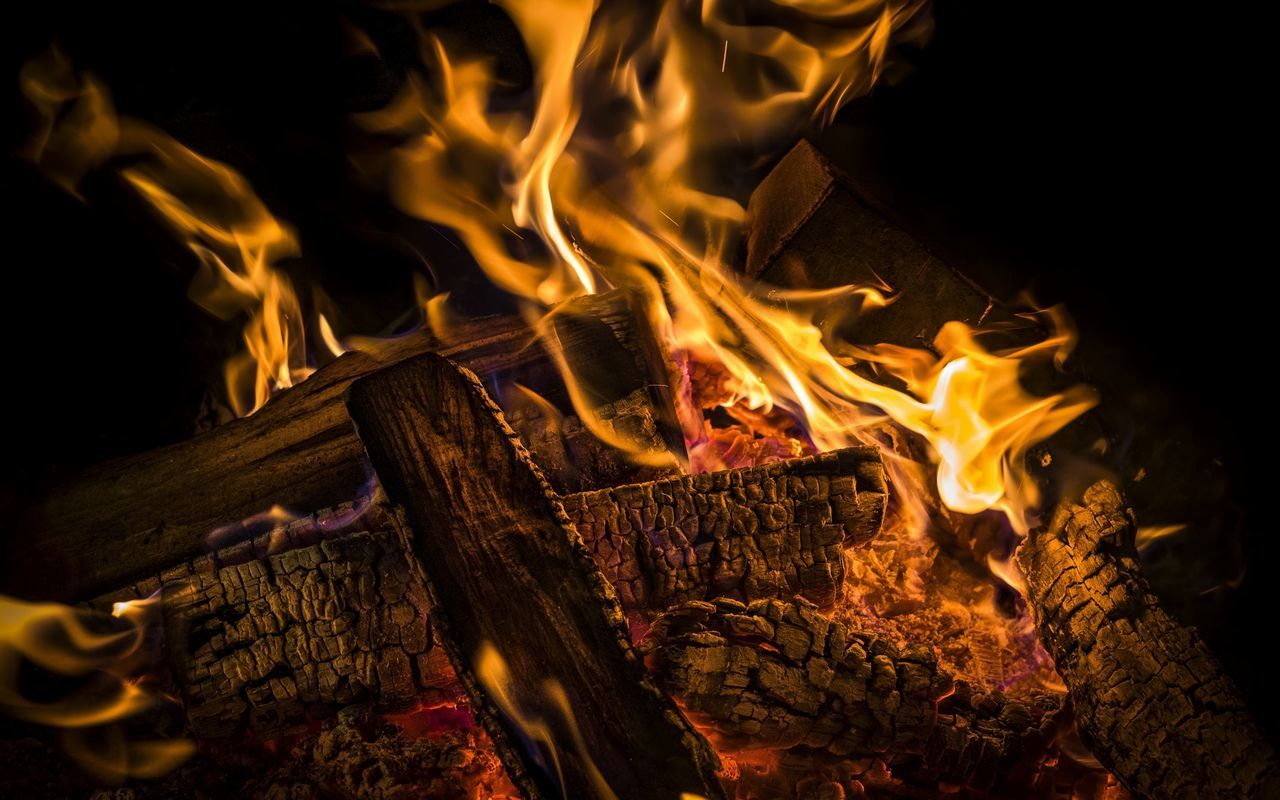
{"points": [[135, 517], [1152, 703], [780, 675], [262, 640], [753, 532], [263, 645], [507, 570]]}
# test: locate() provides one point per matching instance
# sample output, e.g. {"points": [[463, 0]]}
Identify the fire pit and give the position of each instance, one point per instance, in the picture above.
{"points": [[689, 472]]}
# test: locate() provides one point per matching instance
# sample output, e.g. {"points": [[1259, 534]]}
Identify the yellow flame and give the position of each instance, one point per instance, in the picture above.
{"points": [[495, 676], [75, 643], [209, 206], [1149, 534], [619, 167]]}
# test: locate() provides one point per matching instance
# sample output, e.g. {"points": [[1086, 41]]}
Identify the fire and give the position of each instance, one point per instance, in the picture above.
{"points": [[622, 169], [209, 206], [547, 736], [103, 651], [619, 171]]}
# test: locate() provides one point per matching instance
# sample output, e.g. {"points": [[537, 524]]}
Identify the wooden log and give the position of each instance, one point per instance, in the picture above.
{"points": [[264, 645], [1152, 703], [779, 675], [754, 532], [262, 641], [137, 516], [811, 228], [507, 570]]}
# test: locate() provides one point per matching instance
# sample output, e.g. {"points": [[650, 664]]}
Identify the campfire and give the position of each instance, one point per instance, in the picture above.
{"points": [[733, 489]]}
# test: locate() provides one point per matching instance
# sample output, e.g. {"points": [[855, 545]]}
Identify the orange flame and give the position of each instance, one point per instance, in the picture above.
{"points": [[208, 205], [76, 643], [618, 168], [495, 676]]}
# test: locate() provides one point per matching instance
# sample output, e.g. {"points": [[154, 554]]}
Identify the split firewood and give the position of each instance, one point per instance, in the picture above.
{"points": [[137, 516], [1151, 701], [811, 228], [262, 642], [755, 532], [524, 613], [780, 675]]}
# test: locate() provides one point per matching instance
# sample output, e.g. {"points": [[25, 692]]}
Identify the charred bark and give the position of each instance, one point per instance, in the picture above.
{"points": [[507, 570], [755, 532], [1151, 701], [780, 675], [261, 641], [261, 646], [137, 516]]}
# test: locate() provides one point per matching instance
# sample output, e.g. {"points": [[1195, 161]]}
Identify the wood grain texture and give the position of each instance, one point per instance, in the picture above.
{"points": [[133, 517], [1151, 701], [811, 228], [506, 568]]}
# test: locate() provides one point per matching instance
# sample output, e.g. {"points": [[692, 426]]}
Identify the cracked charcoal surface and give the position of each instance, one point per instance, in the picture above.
{"points": [[258, 645], [263, 642], [754, 532], [1151, 701], [780, 675]]}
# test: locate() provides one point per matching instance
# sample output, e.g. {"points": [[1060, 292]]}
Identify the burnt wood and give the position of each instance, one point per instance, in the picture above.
{"points": [[507, 569], [134, 517], [810, 228], [754, 532], [262, 641], [264, 645], [1151, 701], [780, 675]]}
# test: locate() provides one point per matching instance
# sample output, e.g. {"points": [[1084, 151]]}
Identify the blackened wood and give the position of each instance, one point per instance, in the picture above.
{"points": [[1152, 703], [780, 675], [256, 647], [754, 532], [264, 641], [134, 517], [811, 228], [507, 569]]}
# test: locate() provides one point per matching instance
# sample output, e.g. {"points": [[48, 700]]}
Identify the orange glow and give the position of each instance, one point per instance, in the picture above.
{"points": [[77, 643]]}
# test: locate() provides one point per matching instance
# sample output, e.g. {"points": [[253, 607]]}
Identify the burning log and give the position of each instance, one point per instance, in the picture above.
{"points": [[1152, 703], [780, 675], [509, 575], [263, 642], [755, 532], [811, 228], [259, 646], [135, 517]]}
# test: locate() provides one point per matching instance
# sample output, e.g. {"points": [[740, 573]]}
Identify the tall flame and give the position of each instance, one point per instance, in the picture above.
{"points": [[621, 167]]}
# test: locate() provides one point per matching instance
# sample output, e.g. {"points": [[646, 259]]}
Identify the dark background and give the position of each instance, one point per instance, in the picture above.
{"points": [[1102, 157]]}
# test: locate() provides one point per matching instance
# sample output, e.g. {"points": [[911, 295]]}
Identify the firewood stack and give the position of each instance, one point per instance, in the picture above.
{"points": [[480, 603]]}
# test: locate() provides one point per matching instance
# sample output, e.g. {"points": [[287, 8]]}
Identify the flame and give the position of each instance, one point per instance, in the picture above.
{"points": [[210, 207], [495, 676], [77, 643], [620, 172], [1150, 534]]}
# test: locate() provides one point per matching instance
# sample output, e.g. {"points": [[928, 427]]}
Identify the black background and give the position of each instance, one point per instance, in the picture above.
{"points": [[1106, 158]]}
